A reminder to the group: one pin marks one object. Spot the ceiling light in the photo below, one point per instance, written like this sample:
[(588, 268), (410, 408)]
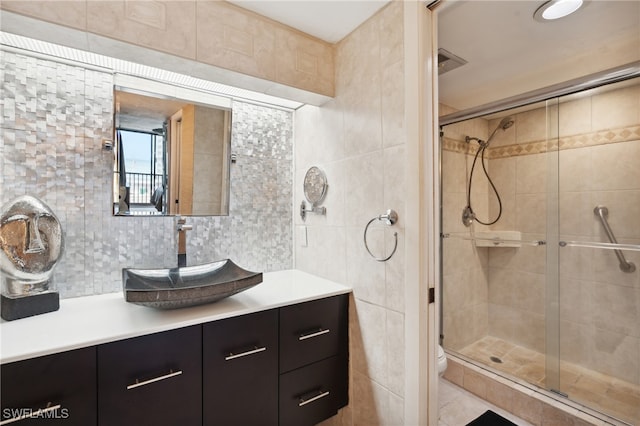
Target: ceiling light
[(556, 9)]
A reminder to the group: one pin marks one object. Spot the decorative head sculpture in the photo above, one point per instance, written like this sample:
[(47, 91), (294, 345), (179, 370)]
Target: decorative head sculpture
[(31, 244)]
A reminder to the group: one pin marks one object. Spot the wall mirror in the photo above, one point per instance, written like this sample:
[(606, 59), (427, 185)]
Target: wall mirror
[(172, 150)]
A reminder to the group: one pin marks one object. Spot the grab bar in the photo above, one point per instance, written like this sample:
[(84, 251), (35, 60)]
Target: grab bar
[(602, 212)]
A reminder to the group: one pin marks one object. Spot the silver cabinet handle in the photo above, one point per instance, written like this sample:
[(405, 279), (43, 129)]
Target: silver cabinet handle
[(28, 414), (316, 397), (314, 334), (137, 384), (255, 350)]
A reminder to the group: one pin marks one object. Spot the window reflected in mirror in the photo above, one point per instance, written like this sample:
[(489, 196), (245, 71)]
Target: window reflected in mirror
[(172, 156)]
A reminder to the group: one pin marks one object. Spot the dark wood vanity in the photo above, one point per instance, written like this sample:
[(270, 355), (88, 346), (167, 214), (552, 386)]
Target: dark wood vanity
[(282, 366)]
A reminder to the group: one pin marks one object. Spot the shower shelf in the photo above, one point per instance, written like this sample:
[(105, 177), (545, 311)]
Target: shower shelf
[(496, 241)]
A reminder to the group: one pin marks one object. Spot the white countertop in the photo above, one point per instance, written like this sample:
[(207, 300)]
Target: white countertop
[(92, 320)]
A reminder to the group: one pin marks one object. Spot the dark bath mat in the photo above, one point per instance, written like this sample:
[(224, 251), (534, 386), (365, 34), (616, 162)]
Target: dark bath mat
[(489, 418)]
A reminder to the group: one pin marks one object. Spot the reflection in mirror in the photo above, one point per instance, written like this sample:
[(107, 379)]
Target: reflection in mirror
[(172, 156)]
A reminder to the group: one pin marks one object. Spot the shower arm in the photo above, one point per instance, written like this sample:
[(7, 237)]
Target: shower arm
[(602, 212)]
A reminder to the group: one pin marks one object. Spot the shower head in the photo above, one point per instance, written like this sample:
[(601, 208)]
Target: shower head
[(504, 124)]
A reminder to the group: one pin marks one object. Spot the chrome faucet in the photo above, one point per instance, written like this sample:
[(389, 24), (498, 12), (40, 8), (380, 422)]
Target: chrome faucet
[(182, 229)]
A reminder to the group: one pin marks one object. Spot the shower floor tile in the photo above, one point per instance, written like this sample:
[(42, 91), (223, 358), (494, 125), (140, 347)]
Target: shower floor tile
[(609, 395)]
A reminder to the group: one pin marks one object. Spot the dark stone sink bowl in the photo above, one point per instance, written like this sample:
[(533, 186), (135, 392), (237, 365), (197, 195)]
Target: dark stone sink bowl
[(186, 286)]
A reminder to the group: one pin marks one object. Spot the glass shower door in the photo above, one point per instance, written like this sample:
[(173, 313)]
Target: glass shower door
[(598, 245)]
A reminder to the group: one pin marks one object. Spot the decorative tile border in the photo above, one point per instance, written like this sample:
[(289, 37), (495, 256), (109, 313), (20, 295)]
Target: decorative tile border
[(604, 137)]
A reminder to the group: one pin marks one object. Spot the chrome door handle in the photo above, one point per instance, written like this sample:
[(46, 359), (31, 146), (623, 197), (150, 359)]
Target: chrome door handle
[(28, 414), (319, 395), (314, 334), (169, 375), (255, 350)]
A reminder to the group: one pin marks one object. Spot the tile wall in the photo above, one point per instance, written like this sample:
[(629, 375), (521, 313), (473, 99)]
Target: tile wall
[(599, 141), (54, 118), (465, 267), (358, 140), (211, 32)]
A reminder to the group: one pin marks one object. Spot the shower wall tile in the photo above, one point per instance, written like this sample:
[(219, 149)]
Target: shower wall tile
[(531, 211), (576, 173), (531, 174), (615, 109), (54, 118), (530, 126), (615, 166), (575, 117), (576, 213)]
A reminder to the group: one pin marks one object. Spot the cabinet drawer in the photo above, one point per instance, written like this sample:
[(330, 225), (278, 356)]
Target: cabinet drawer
[(151, 380), (312, 331), (314, 393), (67, 380), (240, 370)]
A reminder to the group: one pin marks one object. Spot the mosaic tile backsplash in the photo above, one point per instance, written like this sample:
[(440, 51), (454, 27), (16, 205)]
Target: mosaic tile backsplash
[(54, 117)]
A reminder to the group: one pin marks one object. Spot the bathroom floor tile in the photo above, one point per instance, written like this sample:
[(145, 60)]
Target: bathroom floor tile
[(597, 391), (458, 407)]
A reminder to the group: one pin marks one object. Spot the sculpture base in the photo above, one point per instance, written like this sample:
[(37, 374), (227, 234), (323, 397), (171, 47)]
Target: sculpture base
[(27, 306)]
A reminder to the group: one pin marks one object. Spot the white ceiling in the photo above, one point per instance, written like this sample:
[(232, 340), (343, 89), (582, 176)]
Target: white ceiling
[(508, 52), (328, 20)]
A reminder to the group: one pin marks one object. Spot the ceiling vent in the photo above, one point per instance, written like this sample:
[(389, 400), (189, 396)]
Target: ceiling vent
[(447, 61)]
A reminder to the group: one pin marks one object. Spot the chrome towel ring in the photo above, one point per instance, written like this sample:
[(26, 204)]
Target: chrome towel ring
[(389, 218)]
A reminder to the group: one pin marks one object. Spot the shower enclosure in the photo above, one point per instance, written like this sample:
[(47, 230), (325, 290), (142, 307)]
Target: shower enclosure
[(547, 290)]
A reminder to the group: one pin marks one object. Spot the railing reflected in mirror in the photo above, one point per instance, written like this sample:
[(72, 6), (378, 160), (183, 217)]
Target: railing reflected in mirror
[(173, 150)]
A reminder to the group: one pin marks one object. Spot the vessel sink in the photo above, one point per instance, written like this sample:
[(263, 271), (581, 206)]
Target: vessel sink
[(186, 286)]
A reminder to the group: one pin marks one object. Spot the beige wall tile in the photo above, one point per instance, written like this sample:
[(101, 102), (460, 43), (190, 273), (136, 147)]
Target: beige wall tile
[(362, 116), (575, 117), (304, 62), (531, 174), (372, 402), (617, 108), (576, 214), (615, 166), (475, 383), (454, 372), (364, 274), (166, 26), (575, 172), (370, 350), (392, 106), (531, 213), (391, 30), (528, 408), (364, 183), (68, 13), (319, 135), (395, 346), (531, 126), (233, 38)]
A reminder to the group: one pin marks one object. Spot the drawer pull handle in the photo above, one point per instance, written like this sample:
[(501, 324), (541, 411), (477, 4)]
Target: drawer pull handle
[(316, 397), (169, 375), (29, 414), (313, 334), (255, 350)]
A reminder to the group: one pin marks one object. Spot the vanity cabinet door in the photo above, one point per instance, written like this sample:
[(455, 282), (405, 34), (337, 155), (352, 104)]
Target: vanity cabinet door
[(240, 370), (62, 385), (313, 393), (152, 380), (313, 331)]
